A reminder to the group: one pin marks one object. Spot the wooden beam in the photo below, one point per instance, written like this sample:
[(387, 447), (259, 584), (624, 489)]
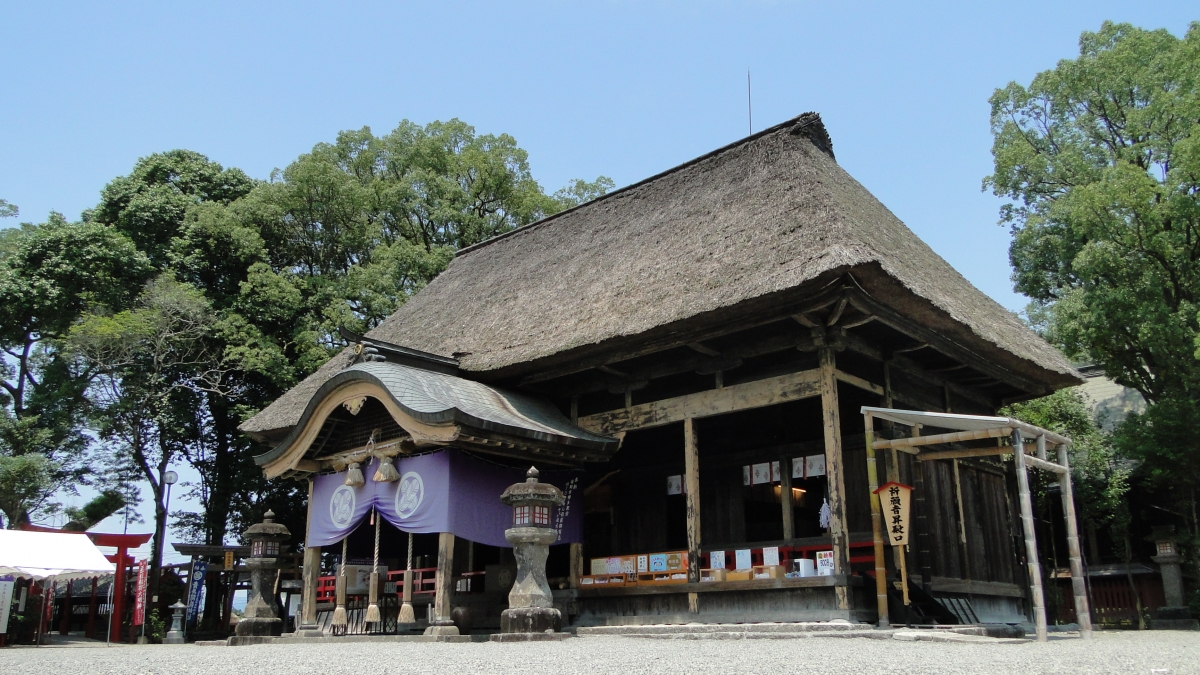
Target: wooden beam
[(1082, 611), (954, 437), (910, 367), (914, 348), (312, 572), (569, 364), (443, 587), (1031, 552), (1044, 465), (804, 320), (856, 381), (966, 452), (691, 476), (745, 396), (881, 599), (946, 345), (837, 312), (703, 348), (785, 497), (834, 476)]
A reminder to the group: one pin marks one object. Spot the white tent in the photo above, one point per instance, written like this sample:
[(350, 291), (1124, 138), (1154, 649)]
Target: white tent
[(54, 556)]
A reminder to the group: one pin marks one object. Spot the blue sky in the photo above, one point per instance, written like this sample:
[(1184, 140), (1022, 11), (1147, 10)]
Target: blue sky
[(623, 89)]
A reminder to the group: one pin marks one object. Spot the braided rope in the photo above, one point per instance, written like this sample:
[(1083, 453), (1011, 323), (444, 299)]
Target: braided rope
[(410, 551), (343, 562), (377, 519)]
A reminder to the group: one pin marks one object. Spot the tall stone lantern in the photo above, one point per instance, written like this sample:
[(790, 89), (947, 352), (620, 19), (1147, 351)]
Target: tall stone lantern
[(1175, 615), (262, 612), (530, 603)]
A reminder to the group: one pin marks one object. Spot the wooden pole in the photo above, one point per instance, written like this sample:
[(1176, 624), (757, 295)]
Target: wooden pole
[(962, 521), (785, 498), (1083, 614), (1031, 554), (904, 580), (881, 600), (835, 481), (691, 479), (64, 621), (576, 564), (312, 573), (443, 588), (91, 622)]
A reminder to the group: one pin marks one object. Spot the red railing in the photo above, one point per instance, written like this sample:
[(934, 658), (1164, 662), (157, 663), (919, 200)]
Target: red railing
[(424, 582)]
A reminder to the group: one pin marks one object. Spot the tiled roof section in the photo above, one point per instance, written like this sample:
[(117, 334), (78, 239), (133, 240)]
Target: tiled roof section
[(439, 398)]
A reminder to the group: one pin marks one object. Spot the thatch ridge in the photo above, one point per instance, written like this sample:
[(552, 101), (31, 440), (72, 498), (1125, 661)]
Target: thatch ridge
[(756, 219)]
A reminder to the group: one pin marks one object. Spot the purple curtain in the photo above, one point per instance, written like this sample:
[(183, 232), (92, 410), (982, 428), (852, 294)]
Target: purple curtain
[(444, 491)]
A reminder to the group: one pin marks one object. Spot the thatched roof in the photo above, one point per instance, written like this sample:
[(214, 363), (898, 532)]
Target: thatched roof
[(766, 215)]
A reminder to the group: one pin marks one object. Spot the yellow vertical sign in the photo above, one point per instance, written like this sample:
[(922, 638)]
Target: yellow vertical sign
[(228, 560), (894, 498)]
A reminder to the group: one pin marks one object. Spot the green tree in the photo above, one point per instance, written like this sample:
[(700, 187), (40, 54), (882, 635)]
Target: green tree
[(152, 362), (1100, 158), (50, 274), (8, 210)]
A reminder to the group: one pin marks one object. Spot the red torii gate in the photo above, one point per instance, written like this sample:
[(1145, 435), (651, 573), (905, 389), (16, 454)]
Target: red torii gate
[(121, 542)]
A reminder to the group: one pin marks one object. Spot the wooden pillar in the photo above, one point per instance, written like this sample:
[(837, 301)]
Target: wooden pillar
[(576, 564), (90, 632), (227, 610), (1083, 614), (691, 482), (835, 481), (881, 599), (443, 588), (922, 521), (64, 621), (312, 579), (117, 618), (965, 556), (785, 498), (1031, 554), (311, 574)]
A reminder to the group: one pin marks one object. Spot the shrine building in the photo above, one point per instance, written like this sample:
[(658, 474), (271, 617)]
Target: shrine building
[(688, 358)]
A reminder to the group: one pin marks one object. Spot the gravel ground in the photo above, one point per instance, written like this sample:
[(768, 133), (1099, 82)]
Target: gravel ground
[(1147, 653)]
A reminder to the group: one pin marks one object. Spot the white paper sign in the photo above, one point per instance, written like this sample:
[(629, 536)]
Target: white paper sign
[(674, 485), (771, 555), (824, 563), (6, 593), (760, 473), (797, 467), (814, 465), (746, 475), (741, 559), (612, 565), (774, 472), (716, 560), (643, 564)]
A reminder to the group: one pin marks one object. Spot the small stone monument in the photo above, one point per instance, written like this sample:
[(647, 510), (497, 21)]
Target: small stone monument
[(262, 611), (531, 613)]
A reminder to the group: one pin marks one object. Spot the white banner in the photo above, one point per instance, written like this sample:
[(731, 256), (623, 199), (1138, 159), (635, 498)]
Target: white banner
[(6, 593)]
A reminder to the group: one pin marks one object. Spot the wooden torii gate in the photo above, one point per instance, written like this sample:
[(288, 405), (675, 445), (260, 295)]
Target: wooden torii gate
[(965, 428)]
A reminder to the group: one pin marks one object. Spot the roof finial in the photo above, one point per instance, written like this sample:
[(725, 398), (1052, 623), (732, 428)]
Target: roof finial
[(531, 476)]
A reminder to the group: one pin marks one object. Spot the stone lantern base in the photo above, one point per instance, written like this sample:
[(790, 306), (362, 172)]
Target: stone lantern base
[(531, 620), (259, 626)]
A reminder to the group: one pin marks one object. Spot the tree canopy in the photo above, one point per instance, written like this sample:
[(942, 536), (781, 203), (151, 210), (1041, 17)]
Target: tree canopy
[(1100, 158)]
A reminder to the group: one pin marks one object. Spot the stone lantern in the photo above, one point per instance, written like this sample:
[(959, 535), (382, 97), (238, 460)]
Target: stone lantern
[(1175, 615), (262, 612), (530, 603)]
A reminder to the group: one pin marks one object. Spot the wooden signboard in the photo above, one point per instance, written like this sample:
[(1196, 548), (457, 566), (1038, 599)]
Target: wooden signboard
[(894, 498)]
